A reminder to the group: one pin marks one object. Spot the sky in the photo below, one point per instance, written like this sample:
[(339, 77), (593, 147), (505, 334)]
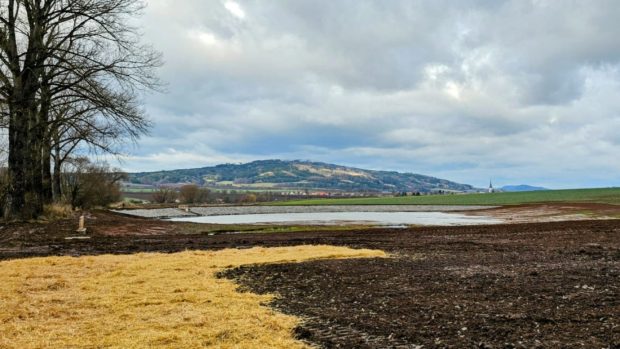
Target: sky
[(471, 90)]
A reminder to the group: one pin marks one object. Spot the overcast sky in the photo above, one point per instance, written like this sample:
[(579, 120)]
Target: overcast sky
[(518, 91)]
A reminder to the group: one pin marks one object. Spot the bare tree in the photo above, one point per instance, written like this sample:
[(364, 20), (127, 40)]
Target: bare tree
[(80, 127), (248, 198), (89, 184), (164, 195), (67, 55), (193, 194)]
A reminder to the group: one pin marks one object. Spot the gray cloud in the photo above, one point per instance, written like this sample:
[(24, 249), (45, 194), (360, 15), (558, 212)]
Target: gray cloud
[(516, 90)]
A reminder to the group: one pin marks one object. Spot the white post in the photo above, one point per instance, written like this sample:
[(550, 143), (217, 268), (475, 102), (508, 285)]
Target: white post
[(81, 227)]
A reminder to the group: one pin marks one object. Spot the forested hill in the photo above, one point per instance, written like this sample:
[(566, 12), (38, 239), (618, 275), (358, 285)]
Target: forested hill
[(275, 174)]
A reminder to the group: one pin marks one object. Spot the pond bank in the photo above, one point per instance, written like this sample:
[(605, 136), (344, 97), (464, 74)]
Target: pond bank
[(248, 210)]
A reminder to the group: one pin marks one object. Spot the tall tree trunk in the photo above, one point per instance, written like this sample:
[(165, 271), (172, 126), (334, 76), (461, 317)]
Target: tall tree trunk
[(56, 179), (43, 133), (24, 200), (18, 181), (48, 194), (36, 167)]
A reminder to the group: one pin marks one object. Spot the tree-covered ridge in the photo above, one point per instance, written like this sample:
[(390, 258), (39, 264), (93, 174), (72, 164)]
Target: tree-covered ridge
[(298, 175)]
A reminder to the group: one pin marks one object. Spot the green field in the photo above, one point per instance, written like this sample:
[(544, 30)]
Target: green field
[(601, 195)]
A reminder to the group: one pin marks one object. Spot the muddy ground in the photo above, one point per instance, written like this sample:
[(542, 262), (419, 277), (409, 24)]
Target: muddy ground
[(548, 285), (551, 285), (551, 212)]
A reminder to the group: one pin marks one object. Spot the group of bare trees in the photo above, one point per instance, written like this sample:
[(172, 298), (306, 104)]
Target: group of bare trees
[(88, 184), (187, 194), (71, 74), (194, 194)]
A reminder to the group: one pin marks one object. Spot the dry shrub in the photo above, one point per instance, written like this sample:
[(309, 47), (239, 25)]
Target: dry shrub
[(87, 184), (248, 199), (193, 194), (164, 195), (57, 211), (146, 300)]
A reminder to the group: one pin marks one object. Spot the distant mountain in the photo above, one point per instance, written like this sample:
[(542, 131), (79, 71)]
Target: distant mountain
[(521, 187), (298, 175)]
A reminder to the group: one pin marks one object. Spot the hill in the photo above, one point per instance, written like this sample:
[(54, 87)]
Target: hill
[(298, 175), (521, 187)]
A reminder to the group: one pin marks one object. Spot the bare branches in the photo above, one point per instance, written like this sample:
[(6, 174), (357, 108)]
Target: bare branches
[(71, 73), (96, 68)]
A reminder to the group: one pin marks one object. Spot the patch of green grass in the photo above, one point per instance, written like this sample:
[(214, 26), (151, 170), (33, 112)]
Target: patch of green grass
[(599, 195)]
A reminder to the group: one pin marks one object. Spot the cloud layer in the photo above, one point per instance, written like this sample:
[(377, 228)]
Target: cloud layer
[(520, 91)]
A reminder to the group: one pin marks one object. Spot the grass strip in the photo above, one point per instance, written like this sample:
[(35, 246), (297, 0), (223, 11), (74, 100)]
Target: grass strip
[(600, 195)]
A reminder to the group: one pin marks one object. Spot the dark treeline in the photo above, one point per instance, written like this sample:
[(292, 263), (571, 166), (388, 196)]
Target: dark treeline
[(194, 194), (71, 73)]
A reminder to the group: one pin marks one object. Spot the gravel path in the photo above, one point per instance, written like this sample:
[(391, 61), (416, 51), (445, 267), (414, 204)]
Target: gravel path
[(157, 213)]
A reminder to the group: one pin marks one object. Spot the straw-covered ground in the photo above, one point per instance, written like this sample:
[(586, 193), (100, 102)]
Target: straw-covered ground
[(146, 300)]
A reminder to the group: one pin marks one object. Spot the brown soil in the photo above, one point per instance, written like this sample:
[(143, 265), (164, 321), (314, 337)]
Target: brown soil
[(505, 286), (551, 212), (552, 285)]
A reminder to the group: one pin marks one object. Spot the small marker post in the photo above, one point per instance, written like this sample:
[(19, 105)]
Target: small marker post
[(82, 227)]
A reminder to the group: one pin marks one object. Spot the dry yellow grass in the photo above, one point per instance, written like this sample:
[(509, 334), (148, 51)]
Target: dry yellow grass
[(57, 211), (146, 300)]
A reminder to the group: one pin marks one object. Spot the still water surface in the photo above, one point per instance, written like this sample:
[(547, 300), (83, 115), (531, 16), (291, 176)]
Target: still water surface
[(334, 218)]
